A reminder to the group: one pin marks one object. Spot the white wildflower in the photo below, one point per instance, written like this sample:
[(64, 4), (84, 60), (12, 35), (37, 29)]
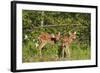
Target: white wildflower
[(26, 37), (33, 40), (36, 44)]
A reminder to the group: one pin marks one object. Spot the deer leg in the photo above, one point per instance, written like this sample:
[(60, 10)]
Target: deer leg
[(63, 52), (67, 51), (40, 48)]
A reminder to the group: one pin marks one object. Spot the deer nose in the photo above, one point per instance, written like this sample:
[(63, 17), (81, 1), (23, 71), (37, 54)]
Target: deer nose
[(74, 37)]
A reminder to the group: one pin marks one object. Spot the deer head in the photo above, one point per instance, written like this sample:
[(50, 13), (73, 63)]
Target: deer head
[(72, 35), (58, 36)]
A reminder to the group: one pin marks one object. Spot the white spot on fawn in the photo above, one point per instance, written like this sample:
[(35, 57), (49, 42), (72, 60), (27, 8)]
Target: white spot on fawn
[(36, 44)]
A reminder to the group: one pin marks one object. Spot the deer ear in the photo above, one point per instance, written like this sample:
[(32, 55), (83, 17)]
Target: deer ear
[(70, 33), (58, 33), (75, 32), (52, 35)]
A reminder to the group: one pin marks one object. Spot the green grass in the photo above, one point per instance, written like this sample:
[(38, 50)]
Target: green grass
[(30, 52), (80, 52)]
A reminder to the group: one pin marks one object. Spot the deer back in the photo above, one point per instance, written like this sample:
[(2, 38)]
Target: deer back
[(44, 37)]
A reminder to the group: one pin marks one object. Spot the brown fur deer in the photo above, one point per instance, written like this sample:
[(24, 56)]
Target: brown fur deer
[(45, 38), (66, 42)]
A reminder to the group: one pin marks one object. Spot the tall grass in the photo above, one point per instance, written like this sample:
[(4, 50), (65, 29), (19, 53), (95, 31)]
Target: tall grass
[(51, 52)]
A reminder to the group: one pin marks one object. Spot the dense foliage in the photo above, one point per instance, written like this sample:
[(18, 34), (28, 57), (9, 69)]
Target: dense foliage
[(35, 22)]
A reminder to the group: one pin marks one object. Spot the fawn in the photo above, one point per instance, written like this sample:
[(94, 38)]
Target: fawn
[(66, 42), (45, 38)]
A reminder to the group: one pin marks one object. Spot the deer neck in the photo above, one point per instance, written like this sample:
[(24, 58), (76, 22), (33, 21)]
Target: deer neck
[(70, 40)]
